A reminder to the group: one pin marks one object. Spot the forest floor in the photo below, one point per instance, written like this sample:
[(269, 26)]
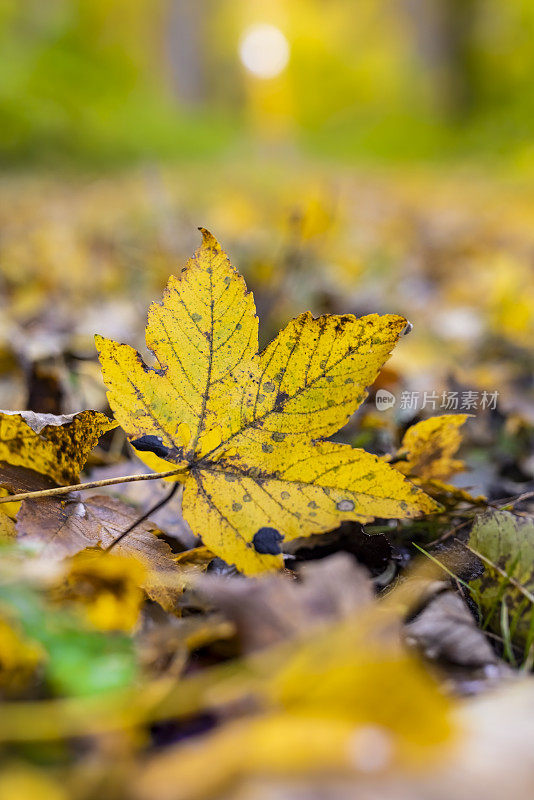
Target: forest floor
[(391, 659)]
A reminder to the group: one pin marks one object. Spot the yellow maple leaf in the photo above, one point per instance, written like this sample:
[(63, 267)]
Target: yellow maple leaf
[(56, 446), (429, 446), (246, 428)]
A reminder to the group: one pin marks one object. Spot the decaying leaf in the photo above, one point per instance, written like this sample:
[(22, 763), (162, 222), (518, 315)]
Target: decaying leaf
[(7, 525), (270, 609), (63, 527), (429, 446), (145, 495), (59, 527), (505, 592), (446, 631), (55, 446), (245, 427)]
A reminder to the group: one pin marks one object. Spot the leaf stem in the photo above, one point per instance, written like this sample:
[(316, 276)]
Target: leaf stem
[(78, 487)]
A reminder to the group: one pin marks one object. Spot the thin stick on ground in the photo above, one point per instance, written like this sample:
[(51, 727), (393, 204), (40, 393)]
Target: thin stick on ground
[(78, 487), (137, 522)]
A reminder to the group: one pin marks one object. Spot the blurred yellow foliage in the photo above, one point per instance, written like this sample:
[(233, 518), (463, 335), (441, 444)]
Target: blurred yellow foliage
[(24, 782), (106, 587), (19, 658), (429, 446)]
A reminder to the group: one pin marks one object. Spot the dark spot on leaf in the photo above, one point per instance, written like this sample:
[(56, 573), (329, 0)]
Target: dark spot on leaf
[(312, 504), (196, 317), (278, 436), (267, 448), (281, 397), (349, 380), (230, 478), (268, 387), (247, 498), (236, 506), (152, 444), (285, 495), (267, 541), (261, 398)]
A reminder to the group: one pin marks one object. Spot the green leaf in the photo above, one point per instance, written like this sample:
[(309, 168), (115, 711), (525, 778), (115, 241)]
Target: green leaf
[(505, 592), (80, 660)]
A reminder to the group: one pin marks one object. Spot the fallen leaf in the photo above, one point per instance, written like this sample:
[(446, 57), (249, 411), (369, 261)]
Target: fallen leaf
[(60, 527), (359, 712), (246, 428), (165, 648), (55, 446), (446, 631), (428, 448), (144, 495), (272, 608), (491, 759), (7, 526)]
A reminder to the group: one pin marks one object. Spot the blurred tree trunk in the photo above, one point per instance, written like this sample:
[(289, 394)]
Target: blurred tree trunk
[(444, 34), (185, 49)]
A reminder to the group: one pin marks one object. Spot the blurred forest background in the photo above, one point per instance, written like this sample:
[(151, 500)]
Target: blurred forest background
[(105, 81), (352, 156)]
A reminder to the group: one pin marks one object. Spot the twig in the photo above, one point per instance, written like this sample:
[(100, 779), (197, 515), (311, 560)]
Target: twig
[(449, 533), (59, 490), (145, 516)]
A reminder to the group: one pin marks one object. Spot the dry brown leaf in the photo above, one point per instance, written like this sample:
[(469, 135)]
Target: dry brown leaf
[(446, 631), (276, 607), (60, 527)]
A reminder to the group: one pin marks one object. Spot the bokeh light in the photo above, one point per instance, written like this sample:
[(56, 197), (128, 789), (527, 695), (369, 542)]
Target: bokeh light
[(264, 50)]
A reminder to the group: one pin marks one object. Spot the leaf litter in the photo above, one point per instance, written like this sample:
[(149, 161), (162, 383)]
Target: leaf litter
[(343, 660)]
